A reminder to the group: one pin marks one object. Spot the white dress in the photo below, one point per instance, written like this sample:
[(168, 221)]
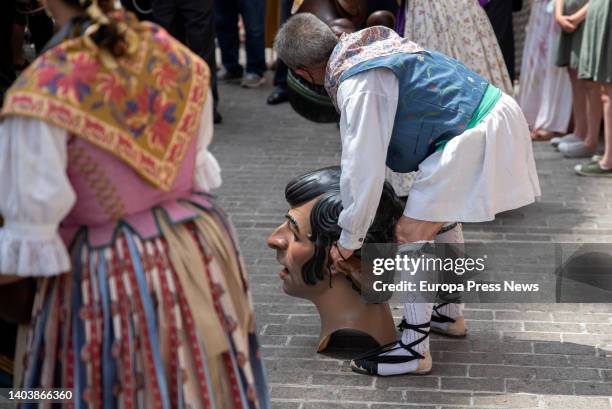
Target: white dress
[(37, 194), (545, 93)]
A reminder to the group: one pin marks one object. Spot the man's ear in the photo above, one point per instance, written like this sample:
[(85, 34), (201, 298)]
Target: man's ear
[(302, 72)]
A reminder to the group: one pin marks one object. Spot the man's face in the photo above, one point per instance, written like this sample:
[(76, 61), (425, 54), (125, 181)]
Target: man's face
[(293, 249)]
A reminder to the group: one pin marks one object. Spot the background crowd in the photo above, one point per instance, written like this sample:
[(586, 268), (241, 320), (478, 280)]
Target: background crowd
[(562, 81)]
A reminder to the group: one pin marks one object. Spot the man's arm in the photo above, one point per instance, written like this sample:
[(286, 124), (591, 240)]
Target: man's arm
[(368, 103)]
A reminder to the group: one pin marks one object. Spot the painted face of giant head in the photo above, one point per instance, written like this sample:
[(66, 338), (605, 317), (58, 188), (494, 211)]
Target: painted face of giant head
[(294, 248), (303, 241)]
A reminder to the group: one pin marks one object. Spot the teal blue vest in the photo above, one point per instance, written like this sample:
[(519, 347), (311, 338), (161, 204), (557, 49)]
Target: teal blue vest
[(437, 98)]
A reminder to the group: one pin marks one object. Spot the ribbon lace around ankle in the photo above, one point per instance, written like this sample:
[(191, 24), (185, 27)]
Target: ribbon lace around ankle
[(438, 316), (376, 355)]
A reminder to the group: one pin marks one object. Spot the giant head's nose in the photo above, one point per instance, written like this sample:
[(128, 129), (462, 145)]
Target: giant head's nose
[(278, 239)]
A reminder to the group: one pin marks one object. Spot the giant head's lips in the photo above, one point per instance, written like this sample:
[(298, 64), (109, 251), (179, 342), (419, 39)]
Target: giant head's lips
[(310, 101), (284, 272)]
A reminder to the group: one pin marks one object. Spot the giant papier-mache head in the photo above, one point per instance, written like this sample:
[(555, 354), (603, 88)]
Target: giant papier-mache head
[(324, 184)]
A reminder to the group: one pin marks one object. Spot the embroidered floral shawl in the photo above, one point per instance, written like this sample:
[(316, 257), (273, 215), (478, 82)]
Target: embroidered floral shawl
[(144, 111), (363, 45)]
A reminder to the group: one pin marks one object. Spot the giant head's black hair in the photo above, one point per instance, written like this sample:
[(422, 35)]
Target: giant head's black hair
[(325, 184)]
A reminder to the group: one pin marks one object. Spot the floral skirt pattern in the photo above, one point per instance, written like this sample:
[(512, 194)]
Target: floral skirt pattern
[(459, 29), (159, 323)]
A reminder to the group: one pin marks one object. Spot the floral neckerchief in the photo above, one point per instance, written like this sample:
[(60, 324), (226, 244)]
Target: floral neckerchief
[(144, 108), (363, 45)]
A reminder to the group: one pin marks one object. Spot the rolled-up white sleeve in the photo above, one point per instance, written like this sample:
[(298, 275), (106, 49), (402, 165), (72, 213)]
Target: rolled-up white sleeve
[(35, 195), (368, 103), (207, 175)]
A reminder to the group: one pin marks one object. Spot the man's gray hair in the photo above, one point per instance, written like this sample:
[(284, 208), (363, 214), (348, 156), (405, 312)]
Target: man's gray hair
[(304, 41)]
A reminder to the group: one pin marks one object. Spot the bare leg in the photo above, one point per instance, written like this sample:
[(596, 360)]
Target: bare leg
[(579, 105), (606, 97), (594, 112)]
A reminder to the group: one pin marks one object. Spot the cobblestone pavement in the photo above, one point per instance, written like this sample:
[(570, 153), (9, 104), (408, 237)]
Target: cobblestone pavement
[(516, 356)]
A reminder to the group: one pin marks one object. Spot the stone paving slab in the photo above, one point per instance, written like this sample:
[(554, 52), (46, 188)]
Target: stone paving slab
[(544, 356)]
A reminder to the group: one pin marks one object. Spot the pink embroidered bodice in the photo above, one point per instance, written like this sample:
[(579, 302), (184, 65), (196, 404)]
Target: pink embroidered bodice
[(109, 191)]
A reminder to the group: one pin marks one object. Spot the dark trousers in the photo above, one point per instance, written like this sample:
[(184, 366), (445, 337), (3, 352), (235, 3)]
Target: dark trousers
[(191, 22), (280, 76), (500, 15), (7, 71), (41, 29), (253, 14), (138, 7)]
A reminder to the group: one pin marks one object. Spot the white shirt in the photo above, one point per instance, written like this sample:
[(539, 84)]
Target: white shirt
[(367, 102), (36, 193)]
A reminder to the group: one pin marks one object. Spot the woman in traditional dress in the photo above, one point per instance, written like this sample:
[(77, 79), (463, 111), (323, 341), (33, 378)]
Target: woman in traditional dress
[(595, 66), (461, 30), (143, 301), (545, 94)]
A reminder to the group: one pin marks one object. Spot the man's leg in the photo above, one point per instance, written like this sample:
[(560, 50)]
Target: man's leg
[(226, 25), (447, 317), (412, 233), (164, 14), (254, 17), (411, 353), (200, 34), (281, 93)]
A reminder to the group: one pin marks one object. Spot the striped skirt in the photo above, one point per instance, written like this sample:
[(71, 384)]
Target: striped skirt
[(159, 323)]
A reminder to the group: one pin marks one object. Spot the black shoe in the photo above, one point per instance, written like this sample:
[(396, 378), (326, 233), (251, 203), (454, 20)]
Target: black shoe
[(368, 363), (278, 96), (217, 118)]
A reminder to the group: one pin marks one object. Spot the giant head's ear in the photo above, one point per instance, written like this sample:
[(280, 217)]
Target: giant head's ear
[(352, 269)]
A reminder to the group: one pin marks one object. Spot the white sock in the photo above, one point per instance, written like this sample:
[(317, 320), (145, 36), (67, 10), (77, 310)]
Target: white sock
[(453, 236), (415, 314), (450, 310)]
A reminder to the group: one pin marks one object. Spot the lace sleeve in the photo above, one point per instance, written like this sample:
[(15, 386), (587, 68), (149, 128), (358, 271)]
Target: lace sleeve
[(36, 196)]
